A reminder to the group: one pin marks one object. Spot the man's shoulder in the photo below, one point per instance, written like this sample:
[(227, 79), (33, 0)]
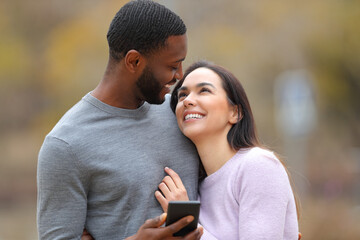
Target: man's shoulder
[(71, 122)]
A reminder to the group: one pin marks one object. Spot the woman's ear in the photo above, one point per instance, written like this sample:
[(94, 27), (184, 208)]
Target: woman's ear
[(235, 114), (133, 61)]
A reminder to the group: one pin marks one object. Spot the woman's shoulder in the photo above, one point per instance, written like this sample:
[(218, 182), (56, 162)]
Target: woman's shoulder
[(260, 160), (260, 167), (257, 154)]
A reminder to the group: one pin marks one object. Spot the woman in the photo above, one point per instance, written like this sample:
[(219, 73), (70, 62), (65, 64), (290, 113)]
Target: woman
[(246, 193)]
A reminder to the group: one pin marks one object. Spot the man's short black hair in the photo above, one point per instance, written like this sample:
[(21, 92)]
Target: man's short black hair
[(142, 25)]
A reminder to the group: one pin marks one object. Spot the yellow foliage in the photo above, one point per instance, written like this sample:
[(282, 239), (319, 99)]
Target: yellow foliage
[(15, 60), (77, 51)]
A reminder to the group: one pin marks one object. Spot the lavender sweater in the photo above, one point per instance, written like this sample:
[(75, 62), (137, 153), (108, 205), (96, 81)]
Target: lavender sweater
[(248, 198)]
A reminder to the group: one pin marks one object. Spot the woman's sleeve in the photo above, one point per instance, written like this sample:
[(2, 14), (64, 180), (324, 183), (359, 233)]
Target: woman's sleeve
[(263, 190)]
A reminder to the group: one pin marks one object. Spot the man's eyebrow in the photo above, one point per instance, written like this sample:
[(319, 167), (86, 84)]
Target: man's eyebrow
[(180, 60), (184, 88)]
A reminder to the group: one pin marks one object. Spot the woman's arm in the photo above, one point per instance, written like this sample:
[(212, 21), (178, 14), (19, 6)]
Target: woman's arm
[(265, 198)]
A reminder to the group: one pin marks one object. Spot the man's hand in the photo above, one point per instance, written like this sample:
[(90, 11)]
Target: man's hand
[(172, 189), (86, 236), (151, 229)]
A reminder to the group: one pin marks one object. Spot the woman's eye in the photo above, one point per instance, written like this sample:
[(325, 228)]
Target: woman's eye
[(181, 95), (205, 90)]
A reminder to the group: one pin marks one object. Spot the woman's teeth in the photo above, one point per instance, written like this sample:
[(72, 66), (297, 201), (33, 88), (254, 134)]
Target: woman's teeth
[(193, 116)]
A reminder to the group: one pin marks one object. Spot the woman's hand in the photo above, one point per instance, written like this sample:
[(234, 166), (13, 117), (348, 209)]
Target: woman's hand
[(172, 189), (152, 230)]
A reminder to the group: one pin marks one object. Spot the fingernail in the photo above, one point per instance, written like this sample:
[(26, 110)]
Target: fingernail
[(162, 216), (166, 168), (190, 219)]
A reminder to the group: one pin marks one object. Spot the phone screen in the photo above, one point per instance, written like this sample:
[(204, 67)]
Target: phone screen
[(180, 209)]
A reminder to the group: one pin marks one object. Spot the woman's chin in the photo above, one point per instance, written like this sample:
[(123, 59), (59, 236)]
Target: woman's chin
[(192, 135)]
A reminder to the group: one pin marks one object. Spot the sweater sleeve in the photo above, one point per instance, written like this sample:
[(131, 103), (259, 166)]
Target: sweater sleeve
[(62, 203), (263, 193)]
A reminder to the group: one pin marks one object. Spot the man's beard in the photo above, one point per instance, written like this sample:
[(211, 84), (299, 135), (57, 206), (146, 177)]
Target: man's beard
[(150, 87)]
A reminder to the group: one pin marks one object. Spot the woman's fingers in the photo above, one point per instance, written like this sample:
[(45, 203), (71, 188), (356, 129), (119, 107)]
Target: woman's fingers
[(162, 200), (170, 183), (165, 189), (175, 177), (170, 190)]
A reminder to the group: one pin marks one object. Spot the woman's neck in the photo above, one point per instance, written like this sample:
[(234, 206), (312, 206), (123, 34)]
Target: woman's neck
[(214, 152)]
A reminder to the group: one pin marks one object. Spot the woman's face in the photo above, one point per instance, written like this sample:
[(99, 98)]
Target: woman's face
[(203, 108)]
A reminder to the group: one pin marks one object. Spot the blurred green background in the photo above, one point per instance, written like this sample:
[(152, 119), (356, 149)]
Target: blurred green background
[(299, 62)]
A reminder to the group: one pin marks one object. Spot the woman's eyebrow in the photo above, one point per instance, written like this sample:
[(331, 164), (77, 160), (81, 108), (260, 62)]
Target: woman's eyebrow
[(184, 88), (205, 84)]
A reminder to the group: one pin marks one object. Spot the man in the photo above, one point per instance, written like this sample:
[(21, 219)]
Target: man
[(101, 164)]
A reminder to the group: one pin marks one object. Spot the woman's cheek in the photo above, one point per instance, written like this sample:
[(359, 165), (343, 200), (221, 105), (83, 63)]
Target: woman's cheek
[(178, 114)]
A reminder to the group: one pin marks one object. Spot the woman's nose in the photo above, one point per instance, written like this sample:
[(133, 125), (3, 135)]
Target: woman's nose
[(188, 102)]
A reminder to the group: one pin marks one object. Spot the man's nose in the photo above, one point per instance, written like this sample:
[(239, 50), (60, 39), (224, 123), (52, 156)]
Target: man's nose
[(179, 73)]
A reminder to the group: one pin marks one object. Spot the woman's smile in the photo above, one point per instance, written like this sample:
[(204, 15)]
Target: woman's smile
[(191, 115), (203, 100)]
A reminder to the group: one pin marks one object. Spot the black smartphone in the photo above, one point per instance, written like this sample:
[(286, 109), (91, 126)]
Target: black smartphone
[(180, 209)]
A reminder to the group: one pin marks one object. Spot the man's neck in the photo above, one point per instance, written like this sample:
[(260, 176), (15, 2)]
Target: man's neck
[(117, 89), (115, 97)]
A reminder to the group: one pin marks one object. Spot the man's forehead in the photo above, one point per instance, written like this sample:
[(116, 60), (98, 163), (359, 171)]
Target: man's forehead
[(175, 47)]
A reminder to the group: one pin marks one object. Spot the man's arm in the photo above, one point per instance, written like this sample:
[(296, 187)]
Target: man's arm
[(151, 229), (61, 206)]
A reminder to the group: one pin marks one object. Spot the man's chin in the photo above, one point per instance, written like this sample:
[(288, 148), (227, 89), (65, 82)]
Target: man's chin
[(159, 100)]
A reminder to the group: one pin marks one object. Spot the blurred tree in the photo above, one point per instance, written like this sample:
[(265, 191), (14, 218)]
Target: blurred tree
[(15, 57), (74, 58), (333, 50)]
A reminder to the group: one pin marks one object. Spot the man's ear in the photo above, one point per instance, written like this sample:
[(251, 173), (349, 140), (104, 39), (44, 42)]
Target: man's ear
[(133, 61), (235, 114)]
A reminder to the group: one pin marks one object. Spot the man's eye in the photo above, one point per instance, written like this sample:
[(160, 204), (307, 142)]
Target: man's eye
[(174, 68)]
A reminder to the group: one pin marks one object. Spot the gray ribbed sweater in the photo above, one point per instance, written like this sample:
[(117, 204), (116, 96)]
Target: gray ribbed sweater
[(100, 166)]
